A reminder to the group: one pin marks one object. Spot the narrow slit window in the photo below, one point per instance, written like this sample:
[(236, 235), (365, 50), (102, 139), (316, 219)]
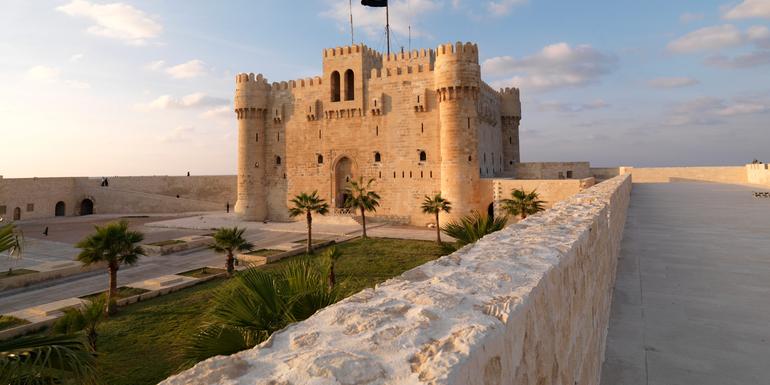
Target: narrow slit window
[(423, 156)]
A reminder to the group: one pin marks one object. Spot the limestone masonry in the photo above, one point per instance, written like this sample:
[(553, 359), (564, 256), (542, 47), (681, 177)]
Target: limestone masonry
[(418, 122), (529, 304)]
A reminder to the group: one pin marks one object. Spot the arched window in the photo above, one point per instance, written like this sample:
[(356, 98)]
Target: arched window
[(423, 156), (349, 85), (320, 159), (277, 159), (377, 157), (335, 84), (470, 158)]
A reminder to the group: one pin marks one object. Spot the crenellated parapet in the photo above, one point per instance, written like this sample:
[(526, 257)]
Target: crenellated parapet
[(457, 72), (252, 94), (510, 102)]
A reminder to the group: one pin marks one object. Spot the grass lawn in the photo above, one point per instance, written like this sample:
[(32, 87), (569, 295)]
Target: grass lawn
[(123, 292), (16, 273), (265, 252), (7, 322), (143, 343), (203, 272)]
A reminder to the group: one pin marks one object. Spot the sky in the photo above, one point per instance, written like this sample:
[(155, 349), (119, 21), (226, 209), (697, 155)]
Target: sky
[(145, 87)]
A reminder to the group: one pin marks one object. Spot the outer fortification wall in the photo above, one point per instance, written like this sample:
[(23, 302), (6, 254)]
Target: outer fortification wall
[(758, 174), (552, 191), (552, 170), (526, 305), (736, 175)]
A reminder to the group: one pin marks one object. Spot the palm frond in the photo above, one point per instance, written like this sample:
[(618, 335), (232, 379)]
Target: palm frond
[(47, 360), (473, 227)]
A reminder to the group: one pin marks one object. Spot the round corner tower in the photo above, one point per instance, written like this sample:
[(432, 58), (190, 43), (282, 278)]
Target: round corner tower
[(251, 99), (457, 79)]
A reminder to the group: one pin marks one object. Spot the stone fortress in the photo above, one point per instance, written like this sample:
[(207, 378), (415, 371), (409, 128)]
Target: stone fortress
[(418, 123)]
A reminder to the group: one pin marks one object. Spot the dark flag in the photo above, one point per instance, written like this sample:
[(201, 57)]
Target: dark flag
[(375, 3)]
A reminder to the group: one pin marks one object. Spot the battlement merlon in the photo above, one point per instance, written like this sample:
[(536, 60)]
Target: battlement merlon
[(510, 102), (251, 92)]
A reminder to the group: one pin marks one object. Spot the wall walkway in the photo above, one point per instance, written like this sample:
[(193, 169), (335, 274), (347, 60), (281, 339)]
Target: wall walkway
[(526, 305)]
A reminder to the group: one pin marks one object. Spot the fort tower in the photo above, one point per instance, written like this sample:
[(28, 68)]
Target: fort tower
[(251, 101)]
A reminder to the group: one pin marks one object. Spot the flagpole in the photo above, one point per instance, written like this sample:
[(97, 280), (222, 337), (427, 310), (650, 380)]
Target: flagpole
[(387, 26), (350, 8)]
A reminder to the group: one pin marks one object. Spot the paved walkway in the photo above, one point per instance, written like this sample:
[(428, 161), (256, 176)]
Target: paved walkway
[(692, 298)]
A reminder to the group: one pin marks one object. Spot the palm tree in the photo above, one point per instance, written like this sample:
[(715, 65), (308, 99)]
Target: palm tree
[(308, 204), (436, 205), (229, 240), (473, 227), (86, 318), (256, 304), (523, 203), (359, 195), (44, 360), (115, 245), (10, 240)]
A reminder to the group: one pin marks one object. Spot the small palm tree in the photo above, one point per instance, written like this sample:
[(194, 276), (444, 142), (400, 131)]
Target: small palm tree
[(86, 318), (523, 203), (228, 241), (360, 196), (330, 258), (42, 359), (11, 241), (307, 204), (256, 304), (115, 245), (436, 205), (473, 227)]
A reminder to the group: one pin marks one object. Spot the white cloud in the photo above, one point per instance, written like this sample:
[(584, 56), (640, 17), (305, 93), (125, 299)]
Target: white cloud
[(688, 17), (224, 111), (43, 73), (751, 59), (155, 66), (749, 9), (572, 107), (194, 100), (76, 57), (708, 38), (188, 70), (372, 20), (179, 134), (709, 110), (115, 20), (555, 66), (672, 82), (52, 75), (503, 7)]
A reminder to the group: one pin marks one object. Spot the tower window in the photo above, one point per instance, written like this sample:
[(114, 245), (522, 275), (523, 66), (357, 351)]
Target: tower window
[(422, 126), (470, 158), (469, 122), (277, 159), (380, 174), (377, 157), (335, 84), (569, 174), (510, 140), (319, 134), (256, 136), (320, 159), (377, 130), (277, 136), (423, 156), (349, 85)]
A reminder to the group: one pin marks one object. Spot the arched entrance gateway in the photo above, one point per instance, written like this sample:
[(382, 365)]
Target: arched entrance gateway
[(86, 207), (344, 171), (60, 209)]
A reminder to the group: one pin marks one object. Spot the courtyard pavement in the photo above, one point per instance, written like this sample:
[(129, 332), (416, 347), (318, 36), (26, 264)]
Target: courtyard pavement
[(66, 231), (692, 298)]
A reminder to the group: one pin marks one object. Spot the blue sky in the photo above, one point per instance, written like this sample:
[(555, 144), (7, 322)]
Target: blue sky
[(145, 87)]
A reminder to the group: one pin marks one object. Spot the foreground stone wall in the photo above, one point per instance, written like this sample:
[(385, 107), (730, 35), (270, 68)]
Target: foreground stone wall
[(758, 174), (526, 305)]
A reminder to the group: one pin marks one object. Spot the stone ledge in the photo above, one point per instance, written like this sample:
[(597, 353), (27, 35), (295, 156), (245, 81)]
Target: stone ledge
[(528, 304)]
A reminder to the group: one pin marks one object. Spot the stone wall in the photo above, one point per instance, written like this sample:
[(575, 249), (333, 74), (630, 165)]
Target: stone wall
[(604, 173), (141, 194), (735, 175), (552, 170), (758, 174), (526, 305)]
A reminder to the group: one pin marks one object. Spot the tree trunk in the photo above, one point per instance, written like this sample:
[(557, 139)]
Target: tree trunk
[(309, 247), (332, 277), (438, 230), (363, 221), (113, 290), (91, 336), (230, 263)]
